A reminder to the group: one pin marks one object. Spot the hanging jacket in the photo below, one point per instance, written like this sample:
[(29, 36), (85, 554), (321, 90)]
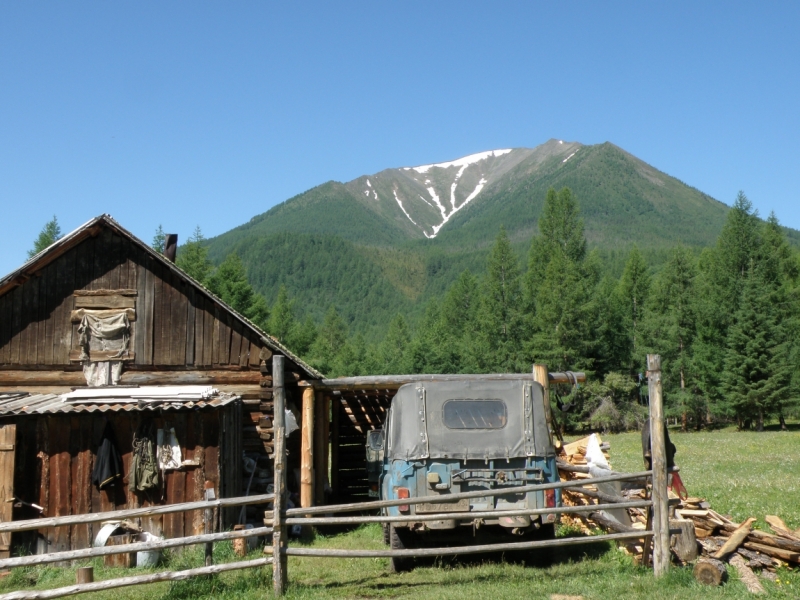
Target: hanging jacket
[(144, 469), (108, 464)]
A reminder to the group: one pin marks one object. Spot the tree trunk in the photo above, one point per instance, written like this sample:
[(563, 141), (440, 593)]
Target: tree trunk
[(782, 421), (760, 419)]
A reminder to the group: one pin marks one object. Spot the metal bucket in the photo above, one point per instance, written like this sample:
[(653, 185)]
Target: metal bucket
[(148, 558)]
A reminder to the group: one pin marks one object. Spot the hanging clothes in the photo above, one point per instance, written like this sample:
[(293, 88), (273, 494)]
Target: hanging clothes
[(144, 470), (108, 464)]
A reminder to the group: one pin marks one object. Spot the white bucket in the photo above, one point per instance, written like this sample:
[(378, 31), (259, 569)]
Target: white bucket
[(148, 558)]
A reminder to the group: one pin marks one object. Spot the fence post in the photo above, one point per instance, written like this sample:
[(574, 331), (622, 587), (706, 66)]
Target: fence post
[(661, 552), (542, 376), (278, 516), (209, 521)]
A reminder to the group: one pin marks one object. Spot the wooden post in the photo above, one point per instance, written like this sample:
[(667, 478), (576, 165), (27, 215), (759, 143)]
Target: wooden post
[(84, 575), (279, 472), (209, 522), (307, 450), (661, 553), (320, 467), (336, 407), (326, 446), (541, 376)]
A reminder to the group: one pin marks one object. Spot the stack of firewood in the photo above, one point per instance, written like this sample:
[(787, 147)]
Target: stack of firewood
[(713, 538)]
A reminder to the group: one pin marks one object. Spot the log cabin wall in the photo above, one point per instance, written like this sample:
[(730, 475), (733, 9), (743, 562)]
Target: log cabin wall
[(175, 326), (56, 453)]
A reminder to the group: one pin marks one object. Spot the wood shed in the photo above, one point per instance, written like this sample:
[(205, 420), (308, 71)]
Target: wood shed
[(101, 308)]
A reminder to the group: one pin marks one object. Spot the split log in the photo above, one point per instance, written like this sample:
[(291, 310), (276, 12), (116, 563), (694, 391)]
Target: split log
[(755, 559), (774, 552), (683, 544), (710, 571), (747, 576), (736, 539), (780, 528)]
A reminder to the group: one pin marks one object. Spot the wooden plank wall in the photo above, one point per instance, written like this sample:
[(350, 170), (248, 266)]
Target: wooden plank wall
[(60, 450), (175, 324), (358, 414)]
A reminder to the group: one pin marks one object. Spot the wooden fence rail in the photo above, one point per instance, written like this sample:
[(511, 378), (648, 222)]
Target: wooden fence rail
[(109, 584), (30, 524), (41, 559)]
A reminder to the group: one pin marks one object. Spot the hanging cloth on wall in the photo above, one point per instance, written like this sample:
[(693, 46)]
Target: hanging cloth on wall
[(112, 331), (108, 464), (144, 471), (169, 450)]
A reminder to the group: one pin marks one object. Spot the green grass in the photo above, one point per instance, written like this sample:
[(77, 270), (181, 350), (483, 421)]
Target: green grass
[(742, 474)]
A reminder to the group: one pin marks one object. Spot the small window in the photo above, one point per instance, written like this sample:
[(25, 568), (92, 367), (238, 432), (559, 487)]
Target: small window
[(474, 414)]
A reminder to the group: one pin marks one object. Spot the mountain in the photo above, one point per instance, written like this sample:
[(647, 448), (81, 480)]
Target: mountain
[(384, 243)]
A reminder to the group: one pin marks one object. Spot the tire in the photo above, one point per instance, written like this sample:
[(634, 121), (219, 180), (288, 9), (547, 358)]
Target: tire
[(400, 538), (547, 532), (385, 527)]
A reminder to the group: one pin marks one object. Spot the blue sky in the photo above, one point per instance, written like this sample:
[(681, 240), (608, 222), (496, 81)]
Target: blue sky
[(198, 113)]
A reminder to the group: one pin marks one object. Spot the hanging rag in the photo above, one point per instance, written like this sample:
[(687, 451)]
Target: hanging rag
[(108, 464), (169, 450), (144, 470), (104, 328)]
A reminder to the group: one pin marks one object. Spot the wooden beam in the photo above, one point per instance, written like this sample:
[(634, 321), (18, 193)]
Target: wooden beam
[(61, 378), (307, 450), (76, 316), (110, 301), (123, 292), (279, 472), (392, 382)]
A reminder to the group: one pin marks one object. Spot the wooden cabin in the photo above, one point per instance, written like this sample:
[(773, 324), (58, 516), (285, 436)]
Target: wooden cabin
[(101, 308)]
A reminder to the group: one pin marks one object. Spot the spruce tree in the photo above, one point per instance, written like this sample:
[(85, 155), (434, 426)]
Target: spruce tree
[(633, 290), (159, 241), (193, 257), (669, 329), (229, 282), (500, 310), (756, 376), (282, 320), (559, 289), (331, 337), (50, 233), (393, 356)]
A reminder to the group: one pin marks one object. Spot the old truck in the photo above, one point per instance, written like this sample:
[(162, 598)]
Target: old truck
[(445, 437)]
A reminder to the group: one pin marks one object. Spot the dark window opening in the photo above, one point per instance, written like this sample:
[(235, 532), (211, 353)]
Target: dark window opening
[(474, 414)]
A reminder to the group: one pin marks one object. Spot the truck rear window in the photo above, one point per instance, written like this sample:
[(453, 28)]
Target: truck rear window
[(474, 414)]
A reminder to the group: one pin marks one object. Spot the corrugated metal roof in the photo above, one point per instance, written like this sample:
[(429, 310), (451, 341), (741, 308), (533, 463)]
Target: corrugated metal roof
[(22, 403)]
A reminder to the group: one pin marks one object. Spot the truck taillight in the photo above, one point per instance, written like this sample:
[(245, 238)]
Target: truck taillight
[(550, 498), (403, 493)]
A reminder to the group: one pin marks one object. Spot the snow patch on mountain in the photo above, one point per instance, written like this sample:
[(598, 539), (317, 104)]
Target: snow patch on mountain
[(400, 204), (570, 156), (461, 162), (435, 198), (368, 183)]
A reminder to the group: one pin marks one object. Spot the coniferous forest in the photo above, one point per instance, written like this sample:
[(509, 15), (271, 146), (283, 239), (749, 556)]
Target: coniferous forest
[(724, 319)]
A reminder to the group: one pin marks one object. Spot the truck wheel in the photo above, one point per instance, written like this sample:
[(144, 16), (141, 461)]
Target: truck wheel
[(547, 531), (385, 527), (400, 539)]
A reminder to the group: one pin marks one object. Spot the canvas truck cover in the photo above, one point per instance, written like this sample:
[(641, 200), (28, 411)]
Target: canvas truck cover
[(468, 420)]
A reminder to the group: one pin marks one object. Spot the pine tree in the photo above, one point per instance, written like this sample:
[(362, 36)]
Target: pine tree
[(500, 312), (50, 233), (193, 257), (159, 240)]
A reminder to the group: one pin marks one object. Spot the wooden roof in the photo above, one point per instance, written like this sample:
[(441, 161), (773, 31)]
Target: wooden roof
[(92, 228)]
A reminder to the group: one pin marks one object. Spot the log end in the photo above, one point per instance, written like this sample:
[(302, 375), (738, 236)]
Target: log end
[(710, 571)]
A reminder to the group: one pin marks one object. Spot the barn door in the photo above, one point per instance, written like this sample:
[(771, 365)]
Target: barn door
[(8, 440)]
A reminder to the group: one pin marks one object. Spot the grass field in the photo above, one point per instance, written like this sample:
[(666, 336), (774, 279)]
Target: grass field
[(742, 474)]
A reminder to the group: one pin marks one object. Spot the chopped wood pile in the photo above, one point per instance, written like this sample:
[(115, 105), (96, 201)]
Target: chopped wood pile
[(707, 537)]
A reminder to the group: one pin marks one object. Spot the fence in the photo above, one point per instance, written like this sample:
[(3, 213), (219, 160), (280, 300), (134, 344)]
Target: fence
[(309, 516), (208, 539), (659, 532)]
